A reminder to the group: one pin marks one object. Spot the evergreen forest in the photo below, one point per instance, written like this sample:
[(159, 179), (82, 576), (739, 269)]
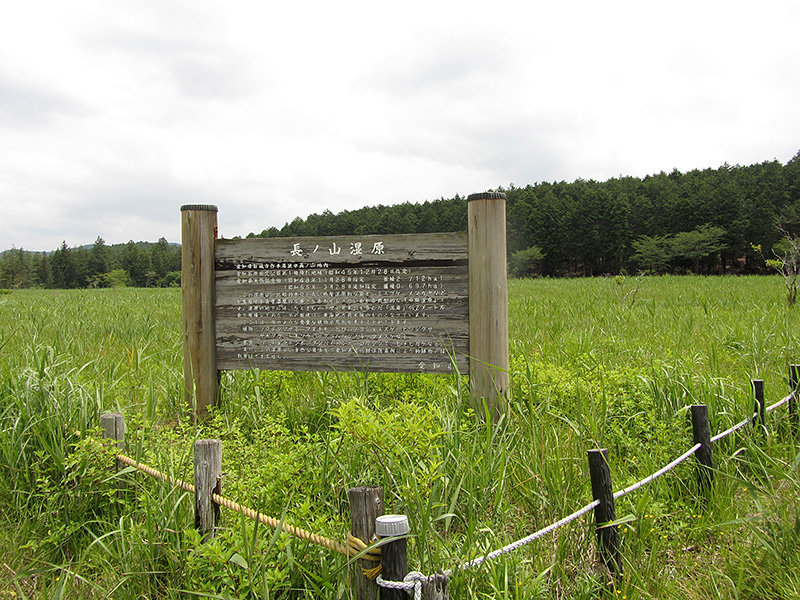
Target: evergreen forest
[(711, 221)]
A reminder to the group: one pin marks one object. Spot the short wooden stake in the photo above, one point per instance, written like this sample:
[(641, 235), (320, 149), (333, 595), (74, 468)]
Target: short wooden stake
[(207, 481), (794, 384), (760, 410), (436, 588), (366, 505), (113, 425), (605, 512), (394, 555), (701, 431)]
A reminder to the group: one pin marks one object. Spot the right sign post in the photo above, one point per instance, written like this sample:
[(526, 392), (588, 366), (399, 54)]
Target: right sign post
[(488, 302)]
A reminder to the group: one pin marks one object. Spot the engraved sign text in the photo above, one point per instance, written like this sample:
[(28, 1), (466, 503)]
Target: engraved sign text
[(394, 303)]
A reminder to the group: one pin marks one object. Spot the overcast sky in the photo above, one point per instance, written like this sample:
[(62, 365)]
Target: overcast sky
[(113, 114)]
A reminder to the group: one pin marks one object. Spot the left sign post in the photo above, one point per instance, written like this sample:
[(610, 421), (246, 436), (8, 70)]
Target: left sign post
[(198, 235)]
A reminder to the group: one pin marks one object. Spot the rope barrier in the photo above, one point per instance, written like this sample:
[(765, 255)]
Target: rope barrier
[(781, 402), (527, 540), (188, 487), (353, 547), (414, 580), (741, 424), (411, 582), (658, 473), (727, 432), (276, 524)]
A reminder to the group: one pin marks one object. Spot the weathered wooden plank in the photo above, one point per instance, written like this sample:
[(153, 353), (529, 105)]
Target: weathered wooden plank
[(396, 303)]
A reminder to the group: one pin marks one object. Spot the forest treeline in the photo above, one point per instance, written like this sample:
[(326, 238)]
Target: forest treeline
[(724, 220), (139, 264)]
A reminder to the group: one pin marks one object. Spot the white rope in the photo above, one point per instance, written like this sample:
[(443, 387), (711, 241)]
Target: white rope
[(727, 432), (414, 580), (658, 473), (781, 402), (526, 540), (741, 424)]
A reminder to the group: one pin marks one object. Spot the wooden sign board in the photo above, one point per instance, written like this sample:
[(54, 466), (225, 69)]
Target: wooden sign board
[(391, 303)]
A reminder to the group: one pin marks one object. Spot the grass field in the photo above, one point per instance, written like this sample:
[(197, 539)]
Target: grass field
[(610, 363)]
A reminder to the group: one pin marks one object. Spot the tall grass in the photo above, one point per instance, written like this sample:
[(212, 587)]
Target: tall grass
[(589, 369)]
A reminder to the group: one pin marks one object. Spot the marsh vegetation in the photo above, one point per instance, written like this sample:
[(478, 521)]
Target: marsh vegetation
[(594, 364)]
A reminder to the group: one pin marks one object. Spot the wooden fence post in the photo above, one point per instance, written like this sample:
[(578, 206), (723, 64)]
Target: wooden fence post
[(701, 432), (760, 410), (394, 555), (488, 302), (605, 512), (207, 481), (198, 232), (794, 384), (366, 505)]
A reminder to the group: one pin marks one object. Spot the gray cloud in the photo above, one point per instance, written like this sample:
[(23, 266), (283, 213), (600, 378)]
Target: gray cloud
[(26, 105), (199, 71), (451, 63)]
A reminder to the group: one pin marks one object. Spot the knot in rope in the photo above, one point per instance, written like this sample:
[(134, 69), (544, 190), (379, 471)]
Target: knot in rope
[(416, 579), (412, 581)]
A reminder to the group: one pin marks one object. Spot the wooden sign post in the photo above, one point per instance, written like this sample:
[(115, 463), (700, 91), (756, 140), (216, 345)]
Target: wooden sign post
[(488, 302), (411, 303), (198, 234)]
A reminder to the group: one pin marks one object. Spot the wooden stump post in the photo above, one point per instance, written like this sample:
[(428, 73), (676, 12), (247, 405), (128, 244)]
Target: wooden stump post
[(394, 555), (436, 588), (701, 432), (488, 302), (207, 481), (199, 230), (366, 505), (605, 512), (760, 410)]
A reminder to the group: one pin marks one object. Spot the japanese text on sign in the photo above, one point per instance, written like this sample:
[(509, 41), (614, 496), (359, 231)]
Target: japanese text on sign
[(301, 307)]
